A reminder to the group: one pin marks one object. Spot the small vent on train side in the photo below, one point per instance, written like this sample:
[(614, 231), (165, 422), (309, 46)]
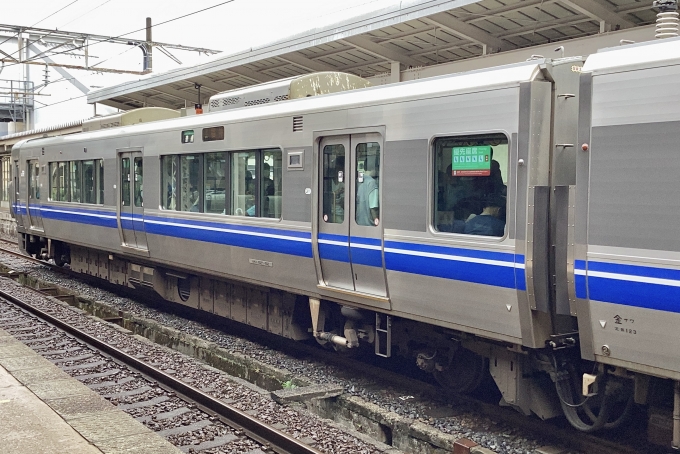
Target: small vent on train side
[(280, 98), (256, 102), (215, 103), (297, 124), (230, 101), (183, 288)]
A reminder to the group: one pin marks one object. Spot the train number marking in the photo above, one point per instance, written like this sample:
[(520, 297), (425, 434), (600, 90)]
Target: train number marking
[(621, 323), (260, 262)]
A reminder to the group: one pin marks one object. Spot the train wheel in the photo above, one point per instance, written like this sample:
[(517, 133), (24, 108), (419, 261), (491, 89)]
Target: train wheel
[(465, 372)]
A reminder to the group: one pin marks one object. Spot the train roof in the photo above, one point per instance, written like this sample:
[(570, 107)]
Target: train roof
[(650, 53), (479, 80)]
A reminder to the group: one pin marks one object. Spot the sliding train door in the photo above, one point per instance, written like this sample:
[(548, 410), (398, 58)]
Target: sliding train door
[(16, 196), (33, 205), (131, 201), (350, 234)]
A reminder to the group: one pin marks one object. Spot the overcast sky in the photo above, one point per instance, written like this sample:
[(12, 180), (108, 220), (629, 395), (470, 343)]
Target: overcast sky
[(230, 27)]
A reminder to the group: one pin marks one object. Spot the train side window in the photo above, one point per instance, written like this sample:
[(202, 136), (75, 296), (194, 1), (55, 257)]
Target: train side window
[(62, 175), (75, 168), (470, 184), (270, 183), (244, 183), (190, 182), (215, 182), (88, 190), (54, 181), (169, 166)]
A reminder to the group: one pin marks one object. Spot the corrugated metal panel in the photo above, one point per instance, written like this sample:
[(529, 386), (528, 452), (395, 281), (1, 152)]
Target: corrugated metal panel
[(419, 33)]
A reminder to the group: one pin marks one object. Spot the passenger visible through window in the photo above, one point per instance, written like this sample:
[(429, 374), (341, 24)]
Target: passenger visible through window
[(89, 189), (34, 180), (368, 184), (215, 182), (77, 181), (470, 184), (270, 183), (242, 183), (334, 184), (190, 187), (139, 182), (125, 182), (169, 182)]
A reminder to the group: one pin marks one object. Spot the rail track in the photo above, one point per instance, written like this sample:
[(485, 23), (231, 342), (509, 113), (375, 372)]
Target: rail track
[(93, 362), (578, 442)]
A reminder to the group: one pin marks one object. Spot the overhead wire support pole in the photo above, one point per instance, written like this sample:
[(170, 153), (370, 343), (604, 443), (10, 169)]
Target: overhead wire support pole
[(148, 55)]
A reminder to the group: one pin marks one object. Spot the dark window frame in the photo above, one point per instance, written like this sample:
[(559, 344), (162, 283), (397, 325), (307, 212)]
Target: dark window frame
[(228, 167), (494, 139)]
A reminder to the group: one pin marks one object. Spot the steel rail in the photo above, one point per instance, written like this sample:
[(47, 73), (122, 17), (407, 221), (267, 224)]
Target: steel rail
[(268, 436)]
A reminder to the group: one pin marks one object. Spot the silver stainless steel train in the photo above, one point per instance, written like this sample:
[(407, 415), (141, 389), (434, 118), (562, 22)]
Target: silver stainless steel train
[(522, 219)]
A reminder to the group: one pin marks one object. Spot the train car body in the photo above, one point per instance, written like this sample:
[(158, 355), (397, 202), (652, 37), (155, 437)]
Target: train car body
[(511, 219), (627, 258)]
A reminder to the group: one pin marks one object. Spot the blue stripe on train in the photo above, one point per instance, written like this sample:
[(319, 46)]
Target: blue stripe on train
[(634, 270), (638, 294), (338, 251), (363, 251), (91, 217), (366, 251), (621, 289), (473, 267), (277, 241), (461, 264)]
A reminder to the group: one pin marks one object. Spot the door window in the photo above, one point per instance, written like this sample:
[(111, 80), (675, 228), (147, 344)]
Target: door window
[(367, 184), (125, 182), (34, 173), (139, 174), (270, 184), (334, 184)]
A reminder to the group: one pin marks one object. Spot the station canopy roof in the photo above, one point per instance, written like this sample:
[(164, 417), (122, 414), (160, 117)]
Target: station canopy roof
[(414, 34)]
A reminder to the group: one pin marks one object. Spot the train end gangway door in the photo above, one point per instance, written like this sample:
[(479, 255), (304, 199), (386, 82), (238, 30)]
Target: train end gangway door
[(131, 201), (350, 243)]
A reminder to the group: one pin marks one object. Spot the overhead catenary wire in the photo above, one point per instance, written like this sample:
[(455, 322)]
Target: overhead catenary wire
[(44, 18), (86, 13), (56, 30), (126, 34)]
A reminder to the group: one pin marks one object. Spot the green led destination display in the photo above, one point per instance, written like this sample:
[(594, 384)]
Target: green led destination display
[(471, 161)]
